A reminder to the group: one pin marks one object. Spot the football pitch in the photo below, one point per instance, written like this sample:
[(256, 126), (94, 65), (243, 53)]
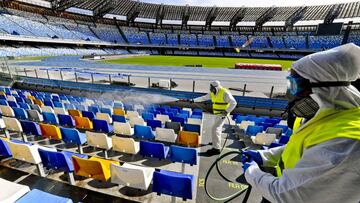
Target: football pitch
[(208, 62)]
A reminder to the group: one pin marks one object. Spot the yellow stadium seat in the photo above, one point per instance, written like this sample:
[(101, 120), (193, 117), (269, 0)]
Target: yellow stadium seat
[(31, 97), (83, 123), (188, 138), (50, 131), (118, 111), (2, 93), (73, 113), (95, 168), (38, 102)]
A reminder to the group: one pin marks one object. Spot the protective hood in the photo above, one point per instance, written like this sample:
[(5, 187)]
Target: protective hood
[(338, 64), (216, 84)]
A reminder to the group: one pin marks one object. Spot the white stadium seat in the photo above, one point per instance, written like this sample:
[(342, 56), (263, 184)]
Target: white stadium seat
[(123, 128), (10, 191), (263, 138), (7, 111), (136, 121), (125, 144), (61, 111), (132, 114), (104, 116), (162, 118), (166, 134)]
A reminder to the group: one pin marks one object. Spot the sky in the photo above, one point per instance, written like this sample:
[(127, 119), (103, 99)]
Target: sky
[(248, 3)]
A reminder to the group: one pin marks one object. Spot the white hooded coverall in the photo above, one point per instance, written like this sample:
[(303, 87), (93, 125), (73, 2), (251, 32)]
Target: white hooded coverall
[(330, 171), (219, 120)]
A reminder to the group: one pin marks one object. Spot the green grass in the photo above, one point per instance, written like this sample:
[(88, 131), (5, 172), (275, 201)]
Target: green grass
[(208, 62), (32, 58)]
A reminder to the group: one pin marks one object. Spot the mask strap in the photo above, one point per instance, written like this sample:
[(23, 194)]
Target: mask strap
[(330, 84)]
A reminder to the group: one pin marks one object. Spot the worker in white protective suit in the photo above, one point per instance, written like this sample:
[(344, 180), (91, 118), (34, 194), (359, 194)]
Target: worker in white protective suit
[(321, 161), (223, 103)]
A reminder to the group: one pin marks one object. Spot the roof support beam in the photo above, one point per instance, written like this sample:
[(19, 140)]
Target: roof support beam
[(185, 16), (211, 16), (134, 12), (104, 7), (265, 17), (160, 14), (62, 5), (295, 17), (333, 13), (239, 15)]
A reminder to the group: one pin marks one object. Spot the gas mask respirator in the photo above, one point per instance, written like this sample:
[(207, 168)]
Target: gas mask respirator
[(306, 107), (212, 89)]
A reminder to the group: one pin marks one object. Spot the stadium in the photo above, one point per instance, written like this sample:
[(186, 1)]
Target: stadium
[(99, 99)]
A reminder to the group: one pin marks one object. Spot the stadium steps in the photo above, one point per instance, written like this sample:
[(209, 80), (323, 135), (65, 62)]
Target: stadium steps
[(121, 32)]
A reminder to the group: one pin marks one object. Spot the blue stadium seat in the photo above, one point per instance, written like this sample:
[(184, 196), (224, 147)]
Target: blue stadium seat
[(106, 110), (273, 121), (50, 118), (173, 184), (71, 135), (24, 105), (3, 102), (4, 149), (179, 119), (283, 127), (154, 124), (170, 114), (93, 109), (30, 128), (153, 149), (192, 128), (36, 195), (284, 139), (183, 115), (58, 104), (48, 103), (174, 111), (183, 155), (252, 130), (88, 114), (66, 120), (147, 116), (119, 118), (69, 106), (118, 105), (185, 112), (102, 126), (13, 104), (20, 113), (19, 99), (265, 125), (240, 118), (143, 132)]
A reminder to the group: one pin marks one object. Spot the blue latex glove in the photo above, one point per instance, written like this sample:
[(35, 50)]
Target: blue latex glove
[(251, 155), (248, 164)]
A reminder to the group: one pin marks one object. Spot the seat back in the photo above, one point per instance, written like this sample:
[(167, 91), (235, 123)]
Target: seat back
[(20, 113), (72, 135), (125, 145), (62, 111), (93, 109), (30, 128), (83, 123), (122, 128), (50, 118), (176, 126), (52, 159), (24, 105), (118, 118), (147, 116), (107, 111), (101, 126), (58, 105), (174, 184), (119, 111), (2, 124), (195, 121), (264, 138), (252, 130), (132, 114), (88, 114), (136, 121), (162, 118), (50, 131), (4, 148), (66, 120), (25, 152), (183, 155), (284, 139), (13, 104), (74, 112), (104, 116), (35, 115), (7, 111), (181, 120), (132, 176), (283, 127), (154, 124), (94, 167), (99, 140), (143, 132), (153, 149), (276, 131), (166, 135), (47, 109), (12, 124), (188, 138), (192, 128), (3, 102)]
